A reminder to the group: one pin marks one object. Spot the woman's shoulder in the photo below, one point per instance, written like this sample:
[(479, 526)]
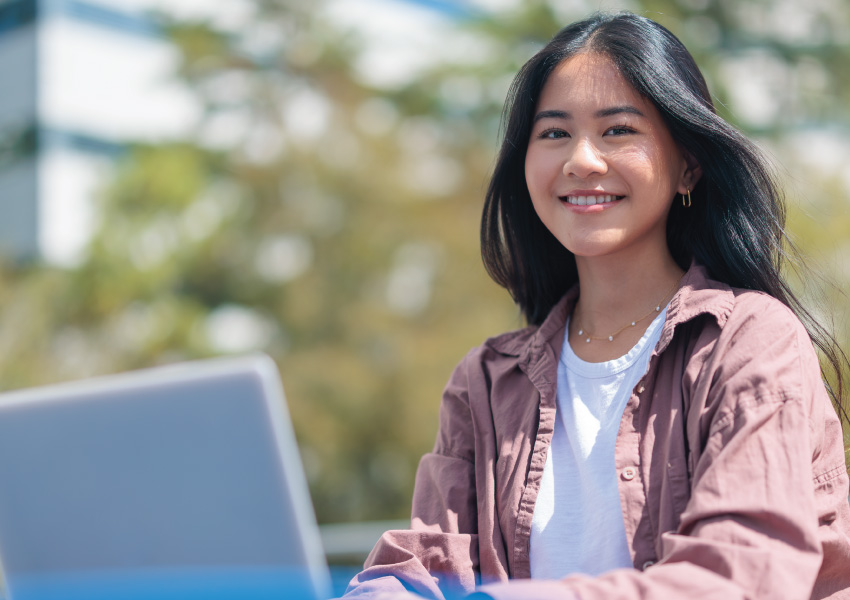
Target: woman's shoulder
[(498, 352), (517, 343), (754, 343), (763, 351), (757, 328), (510, 343), (754, 310), (511, 352), (737, 310)]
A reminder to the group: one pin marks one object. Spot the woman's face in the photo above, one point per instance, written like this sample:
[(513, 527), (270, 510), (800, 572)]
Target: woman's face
[(602, 168)]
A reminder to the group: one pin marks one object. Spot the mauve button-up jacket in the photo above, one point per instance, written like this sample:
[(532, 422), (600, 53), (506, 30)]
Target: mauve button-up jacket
[(729, 456)]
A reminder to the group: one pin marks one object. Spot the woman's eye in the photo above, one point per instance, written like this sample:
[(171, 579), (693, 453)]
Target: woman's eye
[(620, 130), (553, 134)]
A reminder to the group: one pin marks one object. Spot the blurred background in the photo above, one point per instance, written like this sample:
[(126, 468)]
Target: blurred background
[(188, 178)]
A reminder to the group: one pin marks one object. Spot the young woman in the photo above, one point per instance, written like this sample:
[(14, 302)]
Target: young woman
[(661, 430)]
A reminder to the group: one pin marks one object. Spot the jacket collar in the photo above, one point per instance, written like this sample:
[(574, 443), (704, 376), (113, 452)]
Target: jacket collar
[(697, 295)]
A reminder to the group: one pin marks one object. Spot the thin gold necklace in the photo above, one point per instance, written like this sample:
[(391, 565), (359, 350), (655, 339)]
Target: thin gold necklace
[(610, 338)]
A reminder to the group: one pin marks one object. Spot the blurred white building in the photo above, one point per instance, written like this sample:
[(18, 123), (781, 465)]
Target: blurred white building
[(80, 78)]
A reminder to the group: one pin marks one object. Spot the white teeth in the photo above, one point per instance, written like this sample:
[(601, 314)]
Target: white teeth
[(590, 200)]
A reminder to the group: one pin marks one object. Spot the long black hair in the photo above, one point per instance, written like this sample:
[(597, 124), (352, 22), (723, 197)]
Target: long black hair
[(736, 224)]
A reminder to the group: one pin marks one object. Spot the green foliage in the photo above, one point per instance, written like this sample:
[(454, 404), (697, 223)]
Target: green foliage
[(336, 225)]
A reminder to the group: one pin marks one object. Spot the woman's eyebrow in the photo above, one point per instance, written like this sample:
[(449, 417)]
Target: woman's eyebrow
[(552, 114), (605, 112), (617, 110)]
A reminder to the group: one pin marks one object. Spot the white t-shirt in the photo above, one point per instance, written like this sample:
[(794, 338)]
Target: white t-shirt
[(577, 526)]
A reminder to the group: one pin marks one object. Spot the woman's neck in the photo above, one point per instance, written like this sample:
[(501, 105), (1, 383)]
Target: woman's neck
[(614, 293)]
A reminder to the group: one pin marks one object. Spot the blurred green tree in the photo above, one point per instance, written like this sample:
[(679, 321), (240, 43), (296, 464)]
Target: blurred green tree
[(332, 220)]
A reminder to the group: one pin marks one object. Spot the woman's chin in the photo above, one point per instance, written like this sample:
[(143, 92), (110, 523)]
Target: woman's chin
[(597, 246)]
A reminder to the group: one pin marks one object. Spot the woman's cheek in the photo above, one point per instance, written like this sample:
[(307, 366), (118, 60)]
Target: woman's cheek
[(540, 173)]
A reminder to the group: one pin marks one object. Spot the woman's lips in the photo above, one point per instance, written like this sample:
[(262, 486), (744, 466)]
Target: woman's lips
[(591, 203), (590, 200)]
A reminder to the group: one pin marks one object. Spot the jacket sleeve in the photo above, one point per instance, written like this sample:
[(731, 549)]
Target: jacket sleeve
[(750, 528), (438, 557)]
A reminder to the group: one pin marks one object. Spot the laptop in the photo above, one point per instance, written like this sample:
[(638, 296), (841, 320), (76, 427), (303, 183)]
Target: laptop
[(174, 483)]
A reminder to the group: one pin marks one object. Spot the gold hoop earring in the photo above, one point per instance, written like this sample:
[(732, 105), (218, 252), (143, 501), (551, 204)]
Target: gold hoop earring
[(689, 199)]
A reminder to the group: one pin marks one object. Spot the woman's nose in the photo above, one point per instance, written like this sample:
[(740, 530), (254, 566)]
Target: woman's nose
[(584, 160)]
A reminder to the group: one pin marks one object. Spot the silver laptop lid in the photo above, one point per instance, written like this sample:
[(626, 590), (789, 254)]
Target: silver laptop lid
[(176, 482)]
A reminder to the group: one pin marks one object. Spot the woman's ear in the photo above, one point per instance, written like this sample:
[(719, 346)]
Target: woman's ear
[(692, 173)]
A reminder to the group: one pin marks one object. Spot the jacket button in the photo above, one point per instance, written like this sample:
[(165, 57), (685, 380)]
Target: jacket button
[(647, 564), (629, 473)]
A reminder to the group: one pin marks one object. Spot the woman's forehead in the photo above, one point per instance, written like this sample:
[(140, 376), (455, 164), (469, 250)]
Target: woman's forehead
[(587, 79)]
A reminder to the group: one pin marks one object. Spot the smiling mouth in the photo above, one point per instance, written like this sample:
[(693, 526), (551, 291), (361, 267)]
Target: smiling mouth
[(589, 200)]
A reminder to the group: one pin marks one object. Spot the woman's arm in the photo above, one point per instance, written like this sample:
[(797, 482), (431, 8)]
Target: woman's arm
[(438, 557)]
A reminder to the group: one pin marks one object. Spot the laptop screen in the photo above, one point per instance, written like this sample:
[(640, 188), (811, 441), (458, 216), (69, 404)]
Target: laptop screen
[(177, 482)]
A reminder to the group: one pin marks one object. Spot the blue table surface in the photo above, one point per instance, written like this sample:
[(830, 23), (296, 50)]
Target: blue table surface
[(182, 584)]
